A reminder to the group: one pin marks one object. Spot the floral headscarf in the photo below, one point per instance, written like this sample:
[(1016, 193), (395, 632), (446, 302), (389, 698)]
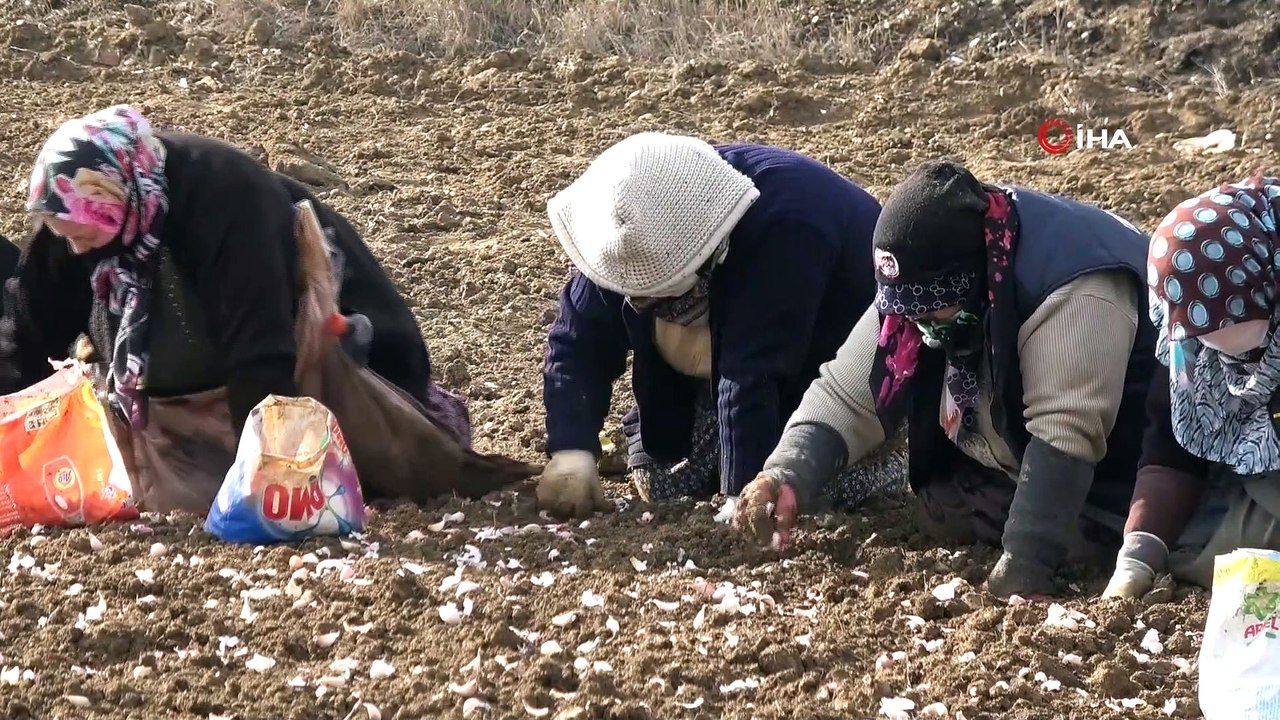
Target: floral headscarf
[(107, 170), (1212, 263)]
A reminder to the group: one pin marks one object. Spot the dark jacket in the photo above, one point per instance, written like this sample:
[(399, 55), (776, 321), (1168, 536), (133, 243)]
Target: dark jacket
[(796, 278), (225, 295), (1160, 447), (1059, 241)]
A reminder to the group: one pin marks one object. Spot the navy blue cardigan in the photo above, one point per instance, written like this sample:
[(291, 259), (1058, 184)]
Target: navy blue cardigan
[(796, 278)]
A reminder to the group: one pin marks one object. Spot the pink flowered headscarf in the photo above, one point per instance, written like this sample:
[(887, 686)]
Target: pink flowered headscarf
[(107, 170)]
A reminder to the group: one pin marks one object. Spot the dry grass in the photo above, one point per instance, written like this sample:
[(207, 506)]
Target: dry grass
[(765, 30)]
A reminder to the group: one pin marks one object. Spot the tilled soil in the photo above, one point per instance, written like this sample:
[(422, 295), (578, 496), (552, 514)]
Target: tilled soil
[(643, 613), (654, 611)]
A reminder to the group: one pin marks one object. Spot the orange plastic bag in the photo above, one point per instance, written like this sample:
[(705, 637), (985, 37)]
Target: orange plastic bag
[(59, 463)]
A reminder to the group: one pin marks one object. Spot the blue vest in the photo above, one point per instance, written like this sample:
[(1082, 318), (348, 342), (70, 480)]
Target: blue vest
[(1059, 240)]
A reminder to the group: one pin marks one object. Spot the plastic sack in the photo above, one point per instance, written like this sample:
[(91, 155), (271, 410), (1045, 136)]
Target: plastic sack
[(292, 479), (59, 463), (1240, 655)]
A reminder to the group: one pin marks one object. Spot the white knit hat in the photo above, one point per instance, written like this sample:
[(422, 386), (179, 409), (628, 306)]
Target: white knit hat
[(648, 212)]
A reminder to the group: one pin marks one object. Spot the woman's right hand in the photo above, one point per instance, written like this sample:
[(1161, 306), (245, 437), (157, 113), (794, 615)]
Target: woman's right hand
[(570, 485), (1136, 565), (767, 507)]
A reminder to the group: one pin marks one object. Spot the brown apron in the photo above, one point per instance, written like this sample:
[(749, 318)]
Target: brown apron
[(179, 461)]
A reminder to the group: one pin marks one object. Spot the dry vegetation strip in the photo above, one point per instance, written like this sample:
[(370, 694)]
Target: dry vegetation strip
[(765, 30)]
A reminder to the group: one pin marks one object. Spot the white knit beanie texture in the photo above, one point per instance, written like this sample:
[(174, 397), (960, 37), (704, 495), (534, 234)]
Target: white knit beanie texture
[(648, 212)]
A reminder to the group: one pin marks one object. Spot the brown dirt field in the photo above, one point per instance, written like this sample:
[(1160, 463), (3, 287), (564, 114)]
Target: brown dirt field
[(654, 611)]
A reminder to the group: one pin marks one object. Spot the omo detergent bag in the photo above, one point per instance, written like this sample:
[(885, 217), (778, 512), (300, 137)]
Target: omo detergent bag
[(1240, 655), (292, 479)]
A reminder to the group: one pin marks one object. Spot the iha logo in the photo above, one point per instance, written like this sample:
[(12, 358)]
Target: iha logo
[(1056, 136)]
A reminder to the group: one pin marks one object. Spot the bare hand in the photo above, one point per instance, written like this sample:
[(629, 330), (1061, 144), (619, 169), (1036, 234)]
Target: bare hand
[(766, 508)]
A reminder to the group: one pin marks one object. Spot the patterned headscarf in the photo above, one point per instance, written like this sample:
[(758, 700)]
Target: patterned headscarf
[(107, 170), (691, 306), (1213, 263), (961, 337)]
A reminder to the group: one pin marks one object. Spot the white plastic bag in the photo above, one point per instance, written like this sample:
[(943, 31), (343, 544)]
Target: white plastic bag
[(1240, 655), (293, 478)]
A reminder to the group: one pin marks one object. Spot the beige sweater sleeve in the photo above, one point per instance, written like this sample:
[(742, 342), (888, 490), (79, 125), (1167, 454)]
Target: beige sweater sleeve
[(1074, 351), (840, 397)]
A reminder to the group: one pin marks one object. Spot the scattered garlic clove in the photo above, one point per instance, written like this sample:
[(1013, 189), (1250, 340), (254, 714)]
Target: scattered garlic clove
[(96, 546), (141, 671), (592, 600), (536, 712), (473, 706), (159, 550), (466, 689), (465, 587), (896, 708), (247, 613), (381, 670), (588, 646), (802, 640), (297, 682), (612, 625), (937, 710), (372, 711), (550, 647), (147, 576), (692, 705), (1072, 659), (639, 565), (327, 640), (344, 665), (260, 663), (665, 605), (79, 701), (1151, 642), (564, 619), (450, 614), (947, 591), (601, 666), (700, 618)]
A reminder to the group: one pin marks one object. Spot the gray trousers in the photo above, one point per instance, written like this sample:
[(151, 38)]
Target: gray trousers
[(1236, 512)]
